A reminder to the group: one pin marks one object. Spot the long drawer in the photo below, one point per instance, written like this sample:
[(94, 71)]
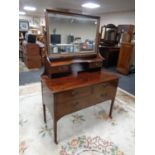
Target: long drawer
[(78, 99)]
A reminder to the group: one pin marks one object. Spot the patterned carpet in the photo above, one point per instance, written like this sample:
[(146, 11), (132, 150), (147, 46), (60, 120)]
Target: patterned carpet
[(86, 132)]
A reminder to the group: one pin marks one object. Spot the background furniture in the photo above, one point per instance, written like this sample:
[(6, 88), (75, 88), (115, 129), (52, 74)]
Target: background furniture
[(126, 58), (127, 52), (112, 39), (109, 35), (110, 54), (21, 39), (31, 55)]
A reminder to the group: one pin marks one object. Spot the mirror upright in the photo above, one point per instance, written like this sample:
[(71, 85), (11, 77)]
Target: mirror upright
[(71, 34)]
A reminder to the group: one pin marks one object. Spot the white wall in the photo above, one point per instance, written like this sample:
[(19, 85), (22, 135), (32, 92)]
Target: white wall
[(118, 18), (34, 21)]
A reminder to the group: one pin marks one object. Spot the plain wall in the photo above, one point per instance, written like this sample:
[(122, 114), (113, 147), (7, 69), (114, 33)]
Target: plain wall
[(118, 18)]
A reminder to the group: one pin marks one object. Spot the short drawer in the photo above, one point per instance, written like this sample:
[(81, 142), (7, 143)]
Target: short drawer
[(95, 65), (105, 91), (60, 69), (74, 94)]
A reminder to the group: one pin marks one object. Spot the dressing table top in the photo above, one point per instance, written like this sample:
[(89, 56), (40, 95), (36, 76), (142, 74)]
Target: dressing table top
[(83, 79)]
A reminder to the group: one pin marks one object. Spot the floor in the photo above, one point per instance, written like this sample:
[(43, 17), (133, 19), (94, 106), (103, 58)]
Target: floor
[(27, 76), (126, 82)]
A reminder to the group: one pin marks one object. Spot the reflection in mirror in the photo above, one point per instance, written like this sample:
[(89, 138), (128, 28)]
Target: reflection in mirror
[(71, 34)]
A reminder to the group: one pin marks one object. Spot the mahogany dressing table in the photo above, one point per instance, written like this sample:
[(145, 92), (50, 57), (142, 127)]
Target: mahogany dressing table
[(73, 78)]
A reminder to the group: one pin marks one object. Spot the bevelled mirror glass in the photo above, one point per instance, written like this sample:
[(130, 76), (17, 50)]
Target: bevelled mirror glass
[(70, 34)]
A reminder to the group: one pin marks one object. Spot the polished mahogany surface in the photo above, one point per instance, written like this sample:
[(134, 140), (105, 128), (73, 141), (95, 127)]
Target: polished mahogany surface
[(76, 81)]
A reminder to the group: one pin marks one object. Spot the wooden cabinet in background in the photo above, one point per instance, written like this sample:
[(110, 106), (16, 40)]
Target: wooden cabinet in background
[(110, 54), (125, 58), (127, 31), (31, 55)]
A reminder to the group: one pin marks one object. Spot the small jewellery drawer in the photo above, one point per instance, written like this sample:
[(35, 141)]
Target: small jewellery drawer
[(95, 64), (59, 69)]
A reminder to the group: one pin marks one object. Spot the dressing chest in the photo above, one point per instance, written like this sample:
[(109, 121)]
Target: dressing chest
[(73, 78)]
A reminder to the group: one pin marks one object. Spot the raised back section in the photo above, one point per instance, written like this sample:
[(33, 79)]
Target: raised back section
[(72, 43)]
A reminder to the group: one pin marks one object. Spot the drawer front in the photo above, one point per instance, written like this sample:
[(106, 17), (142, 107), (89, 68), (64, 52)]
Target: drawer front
[(95, 65), (72, 101), (74, 94), (60, 69), (105, 91), (70, 106)]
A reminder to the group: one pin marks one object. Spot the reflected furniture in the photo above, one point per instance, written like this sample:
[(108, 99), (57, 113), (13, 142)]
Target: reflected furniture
[(73, 78)]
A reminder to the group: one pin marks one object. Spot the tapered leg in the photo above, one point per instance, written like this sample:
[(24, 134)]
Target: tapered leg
[(44, 112), (111, 107), (55, 131)]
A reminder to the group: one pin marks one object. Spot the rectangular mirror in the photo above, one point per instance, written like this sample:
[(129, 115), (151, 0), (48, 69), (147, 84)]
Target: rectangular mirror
[(71, 34)]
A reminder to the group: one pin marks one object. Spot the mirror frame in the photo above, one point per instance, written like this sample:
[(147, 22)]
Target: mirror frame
[(69, 13)]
